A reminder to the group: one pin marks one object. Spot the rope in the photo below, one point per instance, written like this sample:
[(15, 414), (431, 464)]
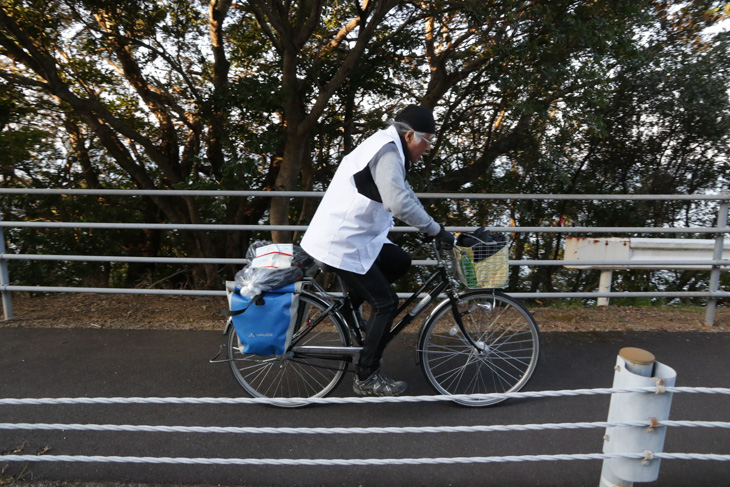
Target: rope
[(362, 431), (645, 456), (357, 400), (362, 462)]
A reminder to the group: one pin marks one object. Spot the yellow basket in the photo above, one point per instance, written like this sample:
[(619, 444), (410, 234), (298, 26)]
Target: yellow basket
[(483, 265)]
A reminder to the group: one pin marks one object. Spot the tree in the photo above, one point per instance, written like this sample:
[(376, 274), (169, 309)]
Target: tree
[(305, 47), (136, 75), (651, 128), (138, 116), (265, 94)]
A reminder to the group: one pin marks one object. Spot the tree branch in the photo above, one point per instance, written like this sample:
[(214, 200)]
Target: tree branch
[(306, 24), (221, 66), (265, 15), (156, 102), (46, 67), (347, 65)]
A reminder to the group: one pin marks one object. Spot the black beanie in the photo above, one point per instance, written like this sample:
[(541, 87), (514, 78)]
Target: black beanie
[(418, 118)]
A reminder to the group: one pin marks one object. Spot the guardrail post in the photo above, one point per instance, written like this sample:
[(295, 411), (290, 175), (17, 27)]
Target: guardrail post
[(4, 278), (604, 286), (636, 368), (715, 273)]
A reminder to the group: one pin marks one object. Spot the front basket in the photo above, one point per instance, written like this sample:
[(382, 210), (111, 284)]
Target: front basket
[(483, 265)]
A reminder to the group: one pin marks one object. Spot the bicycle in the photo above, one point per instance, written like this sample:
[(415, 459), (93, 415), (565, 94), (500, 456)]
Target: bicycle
[(474, 342)]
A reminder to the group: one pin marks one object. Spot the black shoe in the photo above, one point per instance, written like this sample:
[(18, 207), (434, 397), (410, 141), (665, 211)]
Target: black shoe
[(378, 385)]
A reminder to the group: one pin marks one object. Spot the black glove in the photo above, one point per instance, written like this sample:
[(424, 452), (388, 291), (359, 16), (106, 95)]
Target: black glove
[(445, 239)]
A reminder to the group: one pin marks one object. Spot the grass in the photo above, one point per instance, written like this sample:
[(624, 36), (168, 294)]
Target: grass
[(7, 480)]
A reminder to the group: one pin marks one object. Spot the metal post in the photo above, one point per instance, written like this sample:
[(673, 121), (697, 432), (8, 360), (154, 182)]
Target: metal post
[(4, 278), (715, 273), (636, 368), (604, 286)]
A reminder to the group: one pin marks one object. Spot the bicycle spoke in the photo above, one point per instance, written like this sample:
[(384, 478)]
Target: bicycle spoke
[(501, 372), (500, 355), (299, 376), (452, 375), (307, 374)]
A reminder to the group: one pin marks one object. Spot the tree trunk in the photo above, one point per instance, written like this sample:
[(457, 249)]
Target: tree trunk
[(287, 180)]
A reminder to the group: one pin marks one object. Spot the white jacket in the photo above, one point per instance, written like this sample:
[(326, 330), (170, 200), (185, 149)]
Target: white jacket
[(349, 229)]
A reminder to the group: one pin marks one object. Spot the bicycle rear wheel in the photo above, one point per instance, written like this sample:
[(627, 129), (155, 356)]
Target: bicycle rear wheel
[(295, 375), (508, 346)]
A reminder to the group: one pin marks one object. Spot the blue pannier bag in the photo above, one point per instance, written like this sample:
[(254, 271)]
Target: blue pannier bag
[(265, 323)]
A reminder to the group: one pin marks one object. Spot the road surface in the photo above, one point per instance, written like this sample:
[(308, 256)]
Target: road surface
[(149, 363)]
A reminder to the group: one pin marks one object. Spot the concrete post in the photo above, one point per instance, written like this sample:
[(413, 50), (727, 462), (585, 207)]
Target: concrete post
[(636, 368)]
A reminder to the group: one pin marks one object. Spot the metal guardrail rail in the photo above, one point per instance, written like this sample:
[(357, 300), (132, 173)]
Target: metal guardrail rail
[(717, 263)]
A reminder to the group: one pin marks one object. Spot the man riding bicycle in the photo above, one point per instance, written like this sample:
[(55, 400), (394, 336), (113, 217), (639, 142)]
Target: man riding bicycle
[(349, 231)]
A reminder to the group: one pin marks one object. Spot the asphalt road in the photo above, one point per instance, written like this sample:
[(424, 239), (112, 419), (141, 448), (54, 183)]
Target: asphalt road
[(104, 363)]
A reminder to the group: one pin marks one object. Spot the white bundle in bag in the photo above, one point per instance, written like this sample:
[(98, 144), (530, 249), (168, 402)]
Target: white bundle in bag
[(271, 267), (273, 256)]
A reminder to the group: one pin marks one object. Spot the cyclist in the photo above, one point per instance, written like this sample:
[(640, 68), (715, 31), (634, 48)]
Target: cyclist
[(349, 231)]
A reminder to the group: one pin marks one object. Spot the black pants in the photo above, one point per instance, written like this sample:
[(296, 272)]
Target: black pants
[(375, 287)]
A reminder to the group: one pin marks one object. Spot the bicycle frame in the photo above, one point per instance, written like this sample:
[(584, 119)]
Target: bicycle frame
[(444, 285), (343, 302)]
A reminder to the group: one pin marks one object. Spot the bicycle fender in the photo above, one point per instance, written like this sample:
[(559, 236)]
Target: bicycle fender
[(435, 311), (229, 323)]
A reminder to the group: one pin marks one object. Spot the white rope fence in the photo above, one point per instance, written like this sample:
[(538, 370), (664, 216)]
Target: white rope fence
[(357, 431), (658, 389), (644, 456)]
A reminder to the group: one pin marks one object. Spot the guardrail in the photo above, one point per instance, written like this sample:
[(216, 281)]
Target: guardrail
[(641, 253), (642, 458), (713, 293)]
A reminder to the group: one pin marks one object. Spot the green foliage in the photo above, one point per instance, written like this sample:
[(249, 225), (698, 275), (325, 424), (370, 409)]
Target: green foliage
[(531, 97)]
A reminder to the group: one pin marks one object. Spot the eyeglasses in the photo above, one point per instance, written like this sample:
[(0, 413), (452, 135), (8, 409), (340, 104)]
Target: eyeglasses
[(422, 136)]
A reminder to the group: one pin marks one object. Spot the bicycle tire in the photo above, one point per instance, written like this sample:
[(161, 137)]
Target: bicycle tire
[(292, 375), (498, 323)]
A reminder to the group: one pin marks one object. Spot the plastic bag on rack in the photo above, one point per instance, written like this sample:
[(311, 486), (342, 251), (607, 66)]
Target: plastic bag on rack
[(272, 266)]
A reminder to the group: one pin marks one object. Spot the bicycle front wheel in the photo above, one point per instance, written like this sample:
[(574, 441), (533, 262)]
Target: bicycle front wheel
[(295, 375), (504, 358)]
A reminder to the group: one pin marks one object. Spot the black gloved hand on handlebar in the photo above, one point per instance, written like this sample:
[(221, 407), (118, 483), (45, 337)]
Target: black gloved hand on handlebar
[(445, 239)]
